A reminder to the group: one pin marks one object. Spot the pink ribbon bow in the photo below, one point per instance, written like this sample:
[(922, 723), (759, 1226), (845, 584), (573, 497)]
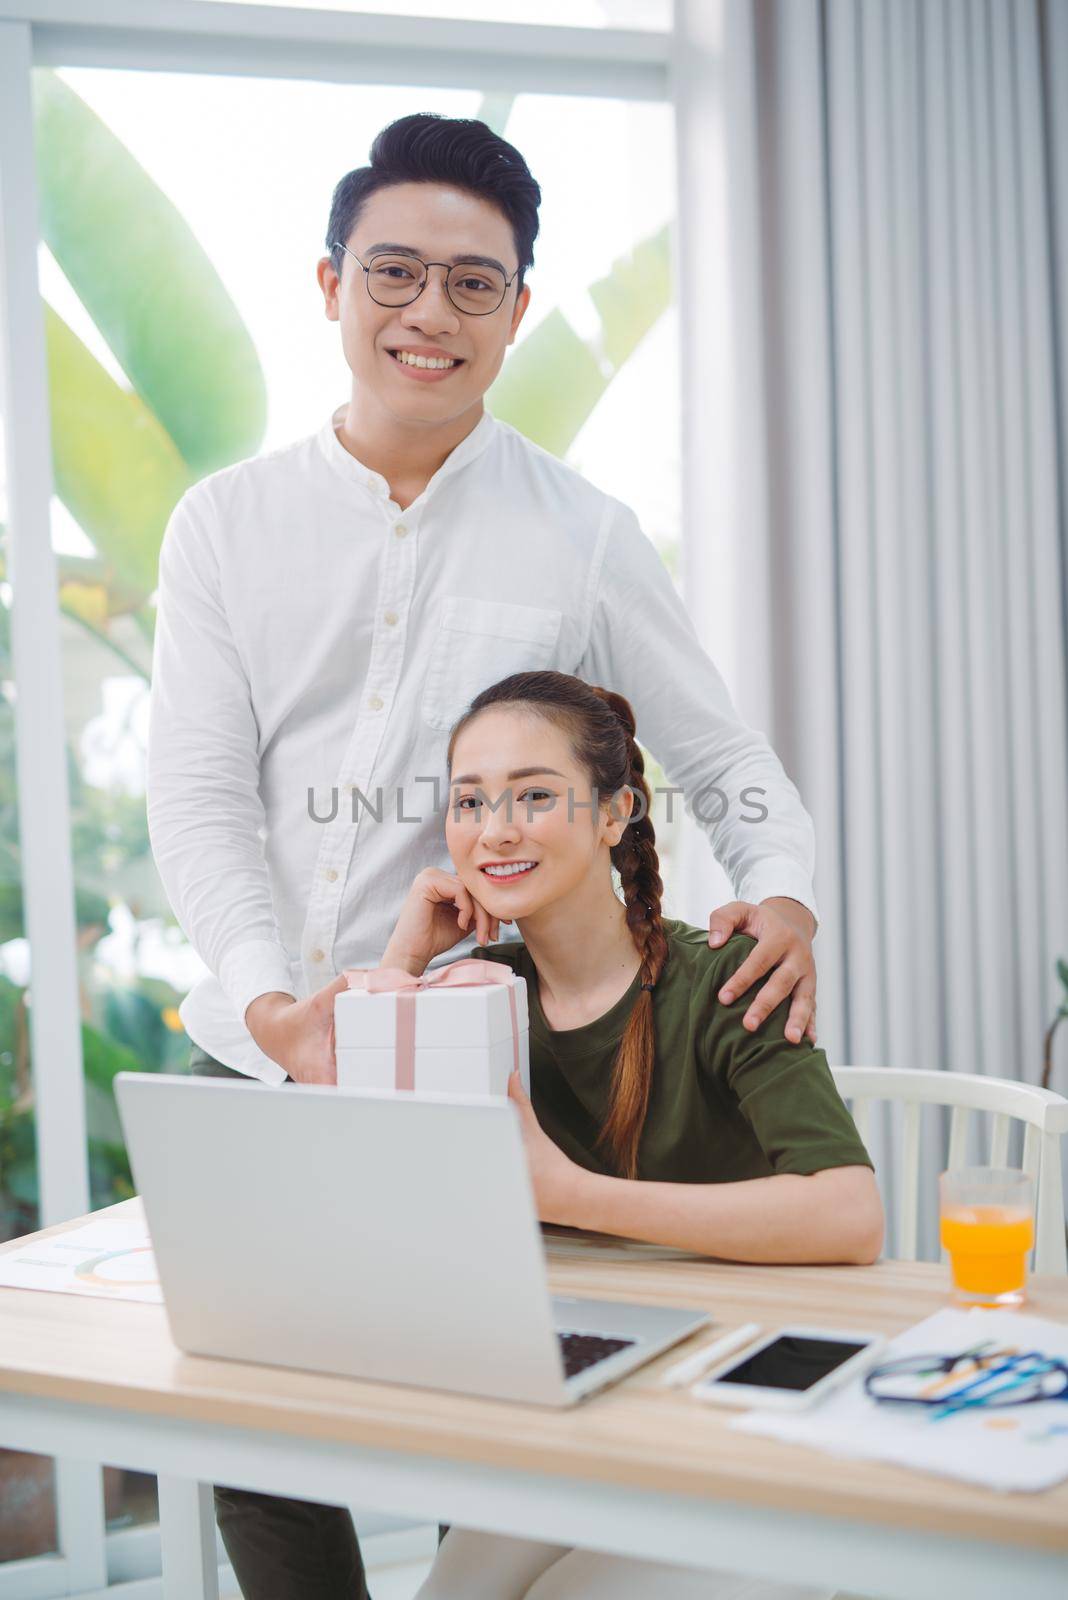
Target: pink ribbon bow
[(468, 974)]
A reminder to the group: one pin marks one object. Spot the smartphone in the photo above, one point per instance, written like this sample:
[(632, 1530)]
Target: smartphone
[(790, 1369)]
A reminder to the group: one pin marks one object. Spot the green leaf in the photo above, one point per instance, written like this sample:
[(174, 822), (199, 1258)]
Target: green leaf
[(88, 572), (495, 109), (136, 1024), (103, 1058), (109, 1173), (10, 1002), (532, 392), (11, 924), (633, 296), (20, 1180), (141, 274), (1062, 970), (116, 469)]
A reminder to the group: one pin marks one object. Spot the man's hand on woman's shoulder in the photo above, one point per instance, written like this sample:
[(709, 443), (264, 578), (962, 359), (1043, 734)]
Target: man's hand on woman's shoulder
[(784, 930)]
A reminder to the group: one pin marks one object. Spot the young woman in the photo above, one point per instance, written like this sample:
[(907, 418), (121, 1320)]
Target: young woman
[(656, 1114)]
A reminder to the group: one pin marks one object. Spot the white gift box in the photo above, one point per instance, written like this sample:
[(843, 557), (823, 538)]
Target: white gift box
[(463, 1037)]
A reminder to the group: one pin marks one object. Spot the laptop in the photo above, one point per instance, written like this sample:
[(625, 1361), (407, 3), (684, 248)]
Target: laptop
[(359, 1232)]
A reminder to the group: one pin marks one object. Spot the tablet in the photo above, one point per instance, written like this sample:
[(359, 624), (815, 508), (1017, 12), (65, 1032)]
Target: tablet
[(792, 1368)]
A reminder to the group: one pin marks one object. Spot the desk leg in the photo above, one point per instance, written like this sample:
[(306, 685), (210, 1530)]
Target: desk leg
[(187, 1538), (82, 1528)]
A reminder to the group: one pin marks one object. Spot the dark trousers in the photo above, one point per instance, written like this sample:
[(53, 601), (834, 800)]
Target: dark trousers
[(284, 1549)]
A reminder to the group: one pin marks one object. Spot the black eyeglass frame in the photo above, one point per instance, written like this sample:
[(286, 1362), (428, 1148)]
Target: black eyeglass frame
[(901, 1365), (426, 266)]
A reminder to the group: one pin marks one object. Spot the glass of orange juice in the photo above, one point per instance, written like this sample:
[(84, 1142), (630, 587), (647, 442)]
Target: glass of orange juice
[(988, 1228)]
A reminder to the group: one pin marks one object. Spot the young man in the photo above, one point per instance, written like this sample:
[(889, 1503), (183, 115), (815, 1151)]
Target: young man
[(328, 610)]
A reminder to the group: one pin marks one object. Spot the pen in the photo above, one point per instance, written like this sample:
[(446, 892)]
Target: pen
[(686, 1371)]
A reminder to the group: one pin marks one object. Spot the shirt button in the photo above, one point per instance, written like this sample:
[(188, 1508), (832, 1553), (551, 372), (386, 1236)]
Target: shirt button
[(400, 530), (331, 875), (317, 955), (391, 617), (375, 702)]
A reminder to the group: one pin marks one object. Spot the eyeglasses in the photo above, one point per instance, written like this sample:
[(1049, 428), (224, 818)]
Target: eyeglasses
[(981, 1376), (397, 280)]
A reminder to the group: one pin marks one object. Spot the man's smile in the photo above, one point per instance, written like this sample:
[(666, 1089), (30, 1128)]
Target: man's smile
[(426, 363)]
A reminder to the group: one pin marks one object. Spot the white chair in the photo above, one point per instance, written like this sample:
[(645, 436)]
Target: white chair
[(1043, 1112)]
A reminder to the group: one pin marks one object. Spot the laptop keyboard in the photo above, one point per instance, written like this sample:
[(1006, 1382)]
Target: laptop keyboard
[(582, 1350)]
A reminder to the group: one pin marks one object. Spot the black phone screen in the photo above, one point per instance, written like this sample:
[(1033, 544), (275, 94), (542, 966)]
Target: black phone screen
[(792, 1362)]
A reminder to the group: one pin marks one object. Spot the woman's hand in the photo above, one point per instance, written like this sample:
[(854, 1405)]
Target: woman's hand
[(436, 914), (557, 1179)]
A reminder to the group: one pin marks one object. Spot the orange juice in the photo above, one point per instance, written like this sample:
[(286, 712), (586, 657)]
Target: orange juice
[(988, 1248)]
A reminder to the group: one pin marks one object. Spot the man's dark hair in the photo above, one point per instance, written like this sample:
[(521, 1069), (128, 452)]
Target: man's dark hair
[(429, 148)]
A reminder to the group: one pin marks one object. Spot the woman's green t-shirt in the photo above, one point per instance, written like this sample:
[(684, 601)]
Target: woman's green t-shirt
[(725, 1104)]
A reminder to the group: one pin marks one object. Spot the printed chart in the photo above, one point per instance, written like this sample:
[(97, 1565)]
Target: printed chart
[(111, 1259)]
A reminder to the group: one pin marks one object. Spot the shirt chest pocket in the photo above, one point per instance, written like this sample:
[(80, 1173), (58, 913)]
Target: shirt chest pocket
[(477, 643)]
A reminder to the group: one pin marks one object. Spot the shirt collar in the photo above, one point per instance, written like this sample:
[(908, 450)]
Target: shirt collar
[(593, 1038), (354, 471)]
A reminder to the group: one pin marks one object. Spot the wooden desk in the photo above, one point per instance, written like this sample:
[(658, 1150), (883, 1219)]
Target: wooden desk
[(637, 1469)]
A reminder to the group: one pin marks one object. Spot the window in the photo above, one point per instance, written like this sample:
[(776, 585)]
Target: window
[(653, 15), (248, 163), (249, 166)]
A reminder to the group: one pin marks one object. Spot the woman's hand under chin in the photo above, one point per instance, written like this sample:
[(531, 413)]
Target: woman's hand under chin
[(436, 915), (557, 1180)]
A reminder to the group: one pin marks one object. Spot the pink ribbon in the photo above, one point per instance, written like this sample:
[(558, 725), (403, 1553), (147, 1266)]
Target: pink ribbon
[(468, 974)]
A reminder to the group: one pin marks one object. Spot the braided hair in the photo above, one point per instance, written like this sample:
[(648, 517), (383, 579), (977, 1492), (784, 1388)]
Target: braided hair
[(600, 727)]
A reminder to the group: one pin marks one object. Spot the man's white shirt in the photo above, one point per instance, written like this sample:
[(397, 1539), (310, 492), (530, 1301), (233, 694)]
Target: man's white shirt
[(314, 639)]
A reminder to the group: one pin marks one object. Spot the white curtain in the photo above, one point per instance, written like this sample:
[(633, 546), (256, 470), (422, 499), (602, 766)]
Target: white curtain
[(899, 210)]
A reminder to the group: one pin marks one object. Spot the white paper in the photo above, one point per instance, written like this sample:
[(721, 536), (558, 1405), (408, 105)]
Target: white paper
[(110, 1259), (1020, 1447)]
